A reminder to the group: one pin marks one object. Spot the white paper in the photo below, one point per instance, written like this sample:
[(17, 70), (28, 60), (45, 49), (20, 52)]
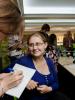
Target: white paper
[(28, 73)]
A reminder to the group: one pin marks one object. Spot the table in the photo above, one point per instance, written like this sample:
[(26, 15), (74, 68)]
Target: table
[(67, 63), (66, 75)]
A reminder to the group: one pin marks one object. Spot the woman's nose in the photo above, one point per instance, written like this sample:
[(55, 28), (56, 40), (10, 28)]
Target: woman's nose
[(35, 46)]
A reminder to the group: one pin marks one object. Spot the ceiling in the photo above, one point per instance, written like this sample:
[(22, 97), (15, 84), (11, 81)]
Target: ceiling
[(49, 3), (59, 14)]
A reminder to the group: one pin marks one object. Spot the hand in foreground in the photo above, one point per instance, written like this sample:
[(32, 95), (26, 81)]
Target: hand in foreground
[(32, 85), (10, 80), (3, 75), (44, 89)]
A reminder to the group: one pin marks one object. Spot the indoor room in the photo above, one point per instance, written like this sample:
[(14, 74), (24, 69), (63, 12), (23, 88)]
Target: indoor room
[(59, 15)]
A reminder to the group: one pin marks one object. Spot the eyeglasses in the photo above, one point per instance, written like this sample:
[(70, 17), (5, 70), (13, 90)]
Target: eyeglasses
[(36, 44)]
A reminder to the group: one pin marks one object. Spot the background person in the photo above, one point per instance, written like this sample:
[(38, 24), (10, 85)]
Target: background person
[(67, 43), (51, 50), (45, 29), (11, 21)]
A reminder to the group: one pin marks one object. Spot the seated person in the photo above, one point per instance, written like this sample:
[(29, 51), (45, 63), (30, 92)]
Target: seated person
[(52, 50), (44, 83)]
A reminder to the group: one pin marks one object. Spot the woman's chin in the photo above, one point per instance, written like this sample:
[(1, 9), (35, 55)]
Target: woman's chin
[(36, 55)]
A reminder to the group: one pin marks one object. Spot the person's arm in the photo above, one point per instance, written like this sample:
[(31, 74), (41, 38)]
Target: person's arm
[(54, 83), (9, 80)]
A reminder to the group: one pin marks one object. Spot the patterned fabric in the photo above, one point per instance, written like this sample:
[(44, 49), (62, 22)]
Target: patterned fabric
[(13, 43), (52, 54), (12, 39)]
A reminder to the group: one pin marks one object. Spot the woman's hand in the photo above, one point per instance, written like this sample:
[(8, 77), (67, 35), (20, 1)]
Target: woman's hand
[(44, 89), (32, 85), (2, 75), (10, 80)]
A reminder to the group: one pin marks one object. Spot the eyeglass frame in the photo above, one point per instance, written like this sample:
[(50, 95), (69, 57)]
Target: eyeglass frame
[(38, 44)]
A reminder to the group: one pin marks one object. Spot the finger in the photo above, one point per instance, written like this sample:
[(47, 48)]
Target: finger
[(18, 72), (41, 86), (14, 84), (41, 91), (34, 86), (3, 75), (9, 74), (17, 77), (38, 88), (14, 78), (29, 87), (33, 83)]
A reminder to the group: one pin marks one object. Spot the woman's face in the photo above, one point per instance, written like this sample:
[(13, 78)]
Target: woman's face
[(36, 46)]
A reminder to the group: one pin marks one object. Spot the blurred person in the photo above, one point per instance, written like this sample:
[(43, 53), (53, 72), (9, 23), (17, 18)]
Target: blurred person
[(51, 51), (45, 29), (67, 42), (11, 21), (44, 84)]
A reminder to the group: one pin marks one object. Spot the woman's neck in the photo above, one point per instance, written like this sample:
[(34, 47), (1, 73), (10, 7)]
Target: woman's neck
[(41, 65), (38, 59)]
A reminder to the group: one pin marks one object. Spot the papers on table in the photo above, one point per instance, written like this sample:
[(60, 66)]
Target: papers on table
[(28, 73)]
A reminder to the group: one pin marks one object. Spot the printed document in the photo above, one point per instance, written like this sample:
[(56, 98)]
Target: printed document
[(28, 73)]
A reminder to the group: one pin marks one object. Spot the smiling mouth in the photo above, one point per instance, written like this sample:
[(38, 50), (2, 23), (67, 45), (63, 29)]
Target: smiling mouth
[(36, 51)]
